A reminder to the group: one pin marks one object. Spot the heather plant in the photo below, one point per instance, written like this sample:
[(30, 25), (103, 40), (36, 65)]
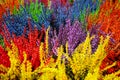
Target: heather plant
[(80, 9), (33, 14), (74, 34)]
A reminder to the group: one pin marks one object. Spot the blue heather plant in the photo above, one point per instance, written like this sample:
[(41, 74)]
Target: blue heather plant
[(80, 9), (60, 12), (17, 22), (38, 12)]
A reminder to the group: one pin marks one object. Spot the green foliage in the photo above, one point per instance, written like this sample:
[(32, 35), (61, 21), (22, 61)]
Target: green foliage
[(1, 41)]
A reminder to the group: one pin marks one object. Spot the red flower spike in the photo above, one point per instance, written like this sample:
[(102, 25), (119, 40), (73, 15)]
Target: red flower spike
[(118, 64), (4, 59), (111, 70)]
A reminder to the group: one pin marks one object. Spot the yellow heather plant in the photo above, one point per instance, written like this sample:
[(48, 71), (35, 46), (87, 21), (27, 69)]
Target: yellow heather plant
[(80, 60), (86, 66), (53, 69)]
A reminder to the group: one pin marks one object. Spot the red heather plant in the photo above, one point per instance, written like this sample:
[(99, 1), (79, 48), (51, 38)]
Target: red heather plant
[(109, 20), (4, 59), (28, 42)]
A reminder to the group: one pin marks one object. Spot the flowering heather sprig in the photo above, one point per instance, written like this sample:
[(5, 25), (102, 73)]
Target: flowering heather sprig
[(94, 31), (76, 35), (4, 59), (112, 57)]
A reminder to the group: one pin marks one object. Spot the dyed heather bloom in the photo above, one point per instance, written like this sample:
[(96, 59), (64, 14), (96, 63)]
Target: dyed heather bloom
[(94, 31), (18, 22), (80, 9), (74, 34), (63, 34), (94, 43), (60, 12), (4, 59)]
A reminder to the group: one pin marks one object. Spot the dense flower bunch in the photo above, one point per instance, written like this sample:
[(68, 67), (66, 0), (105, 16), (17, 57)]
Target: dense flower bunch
[(109, 20), (59, 40)]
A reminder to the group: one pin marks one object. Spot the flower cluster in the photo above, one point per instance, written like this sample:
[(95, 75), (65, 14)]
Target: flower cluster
[(59, 40)]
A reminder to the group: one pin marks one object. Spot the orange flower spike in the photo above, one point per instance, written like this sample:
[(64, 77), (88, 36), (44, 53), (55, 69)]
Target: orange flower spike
[(8, 4)]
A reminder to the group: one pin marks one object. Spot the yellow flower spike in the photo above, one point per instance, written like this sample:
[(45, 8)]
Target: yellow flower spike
[(26, 69), (21, 2), (25, 57), (60, 52), (96, 59), (100, 53), (14, 49), (61, 75), (66, 48), (110, 66), (112, 76), (29, 70), (46, 40), (3, 68), (22, 68), (86, 46), (41, 52)]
